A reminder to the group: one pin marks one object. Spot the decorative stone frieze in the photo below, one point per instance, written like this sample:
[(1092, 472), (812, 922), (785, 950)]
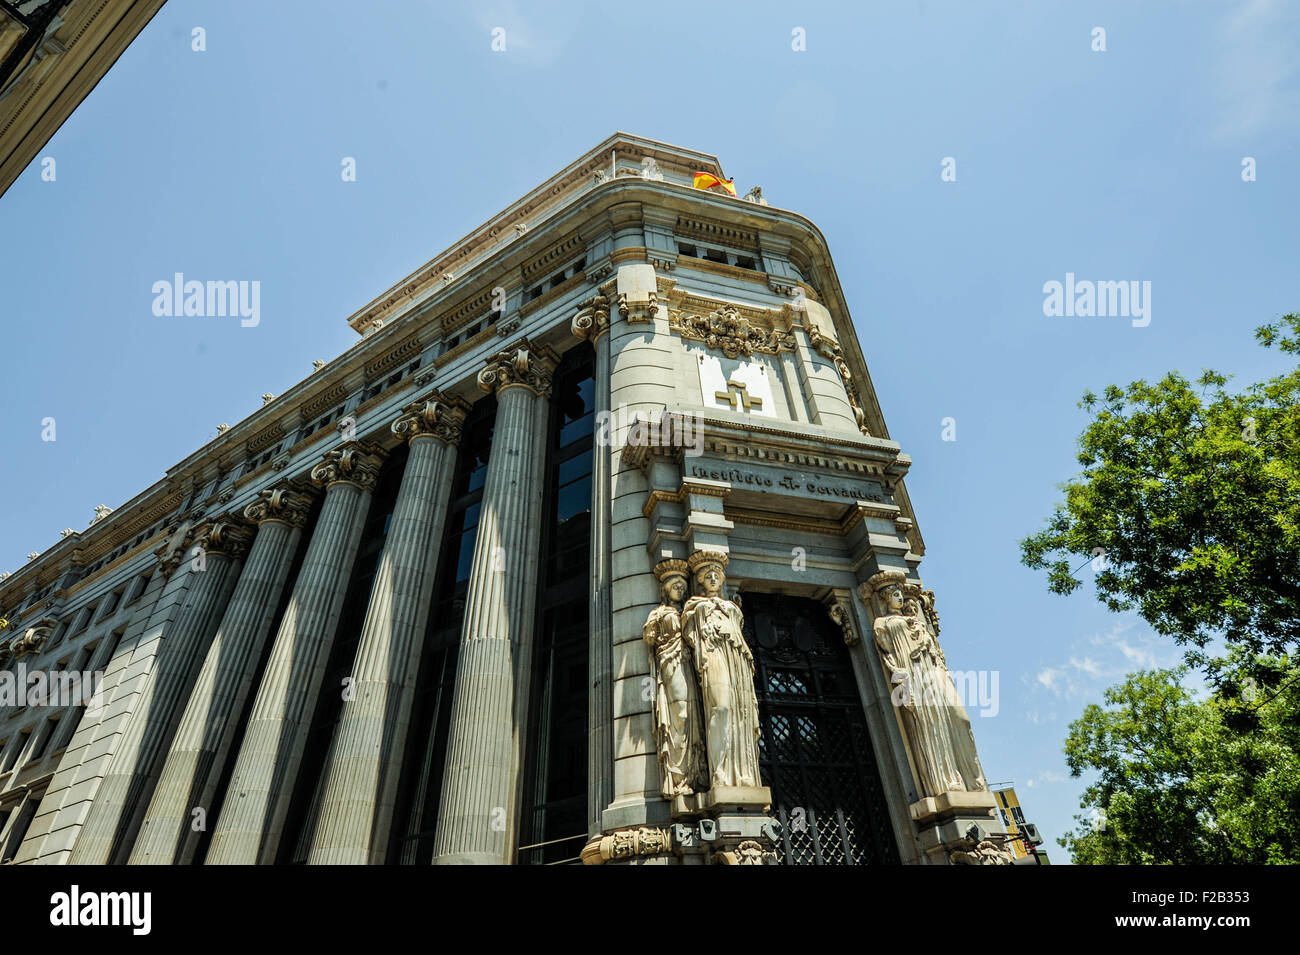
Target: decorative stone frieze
[(628, 844), (727, 330)]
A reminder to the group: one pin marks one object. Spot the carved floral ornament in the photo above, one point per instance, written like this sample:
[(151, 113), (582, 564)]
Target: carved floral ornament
[(436, 415), (521, 365), (356, 463), (729, 331)]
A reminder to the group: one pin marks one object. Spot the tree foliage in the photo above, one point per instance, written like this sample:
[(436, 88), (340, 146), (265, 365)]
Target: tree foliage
[(1191, 499), (1178, 784)]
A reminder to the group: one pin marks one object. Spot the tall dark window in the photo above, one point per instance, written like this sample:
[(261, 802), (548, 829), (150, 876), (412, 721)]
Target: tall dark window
[(554, 823), (420, 787), (300, 823)]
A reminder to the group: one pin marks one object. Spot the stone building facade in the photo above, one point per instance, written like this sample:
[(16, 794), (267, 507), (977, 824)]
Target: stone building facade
[(594, 547)]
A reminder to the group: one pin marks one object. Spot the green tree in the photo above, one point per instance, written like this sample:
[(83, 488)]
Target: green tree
[(1193, 499), (1178, 784)]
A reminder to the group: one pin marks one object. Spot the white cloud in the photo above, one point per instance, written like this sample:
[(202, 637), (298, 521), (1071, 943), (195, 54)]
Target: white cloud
[(1046, 777), (1088, 665)]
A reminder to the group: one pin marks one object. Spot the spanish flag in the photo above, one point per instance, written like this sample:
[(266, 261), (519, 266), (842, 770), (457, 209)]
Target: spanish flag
[(707, 180)]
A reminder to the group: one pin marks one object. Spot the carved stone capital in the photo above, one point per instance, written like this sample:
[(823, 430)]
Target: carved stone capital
[(33, 639), (628, 844), (282, 504), (227, 536), (522, 365), (435, 415), (356, 463), (592, 319)]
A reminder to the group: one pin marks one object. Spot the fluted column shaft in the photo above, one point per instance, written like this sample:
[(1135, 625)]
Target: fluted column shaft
[(207, 729), (592, 323), (478, 809), (256, 802), (215, 548), (360, 784)]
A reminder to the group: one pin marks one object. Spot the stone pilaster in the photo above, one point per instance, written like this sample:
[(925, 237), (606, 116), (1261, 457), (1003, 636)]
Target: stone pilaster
[(365, 760), (214, 548), (198, 755), (477, 814), (261, 785), (592, 323)]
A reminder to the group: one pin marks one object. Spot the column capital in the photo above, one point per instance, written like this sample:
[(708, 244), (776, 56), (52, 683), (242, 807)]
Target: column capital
[(436, 415), (279, 503), (592, 319), (229, 536), (356, 463), (522, 365)]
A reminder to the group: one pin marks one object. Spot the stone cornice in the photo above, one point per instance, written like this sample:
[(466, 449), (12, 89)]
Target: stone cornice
[(558, 192)]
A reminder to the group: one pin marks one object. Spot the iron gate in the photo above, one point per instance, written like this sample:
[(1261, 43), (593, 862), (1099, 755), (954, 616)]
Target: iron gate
[(814, 750)]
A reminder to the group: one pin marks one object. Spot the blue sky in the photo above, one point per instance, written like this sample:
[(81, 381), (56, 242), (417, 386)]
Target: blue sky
[(1115, 165)]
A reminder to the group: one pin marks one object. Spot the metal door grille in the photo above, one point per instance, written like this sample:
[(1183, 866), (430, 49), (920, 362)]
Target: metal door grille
[(814, 749)]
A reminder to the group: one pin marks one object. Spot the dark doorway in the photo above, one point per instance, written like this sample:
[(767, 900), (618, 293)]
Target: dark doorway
[(814, 750)]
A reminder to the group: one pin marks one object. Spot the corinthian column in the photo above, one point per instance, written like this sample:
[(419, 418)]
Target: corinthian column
[(592, 324), (356, 808), (214, 548), (257, 799), (171, 828), (477, 813)]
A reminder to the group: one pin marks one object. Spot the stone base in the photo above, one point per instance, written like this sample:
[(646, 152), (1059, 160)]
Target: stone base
[(722, 798), (943, 821)]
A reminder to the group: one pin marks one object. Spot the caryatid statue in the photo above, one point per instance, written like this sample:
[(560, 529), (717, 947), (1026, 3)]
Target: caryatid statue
[(937, 727), (711, 626), (676, 701)]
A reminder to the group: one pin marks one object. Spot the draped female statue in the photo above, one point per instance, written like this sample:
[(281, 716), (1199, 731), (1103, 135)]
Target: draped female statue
[(937, 727), (675, 703), (711, 627)]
